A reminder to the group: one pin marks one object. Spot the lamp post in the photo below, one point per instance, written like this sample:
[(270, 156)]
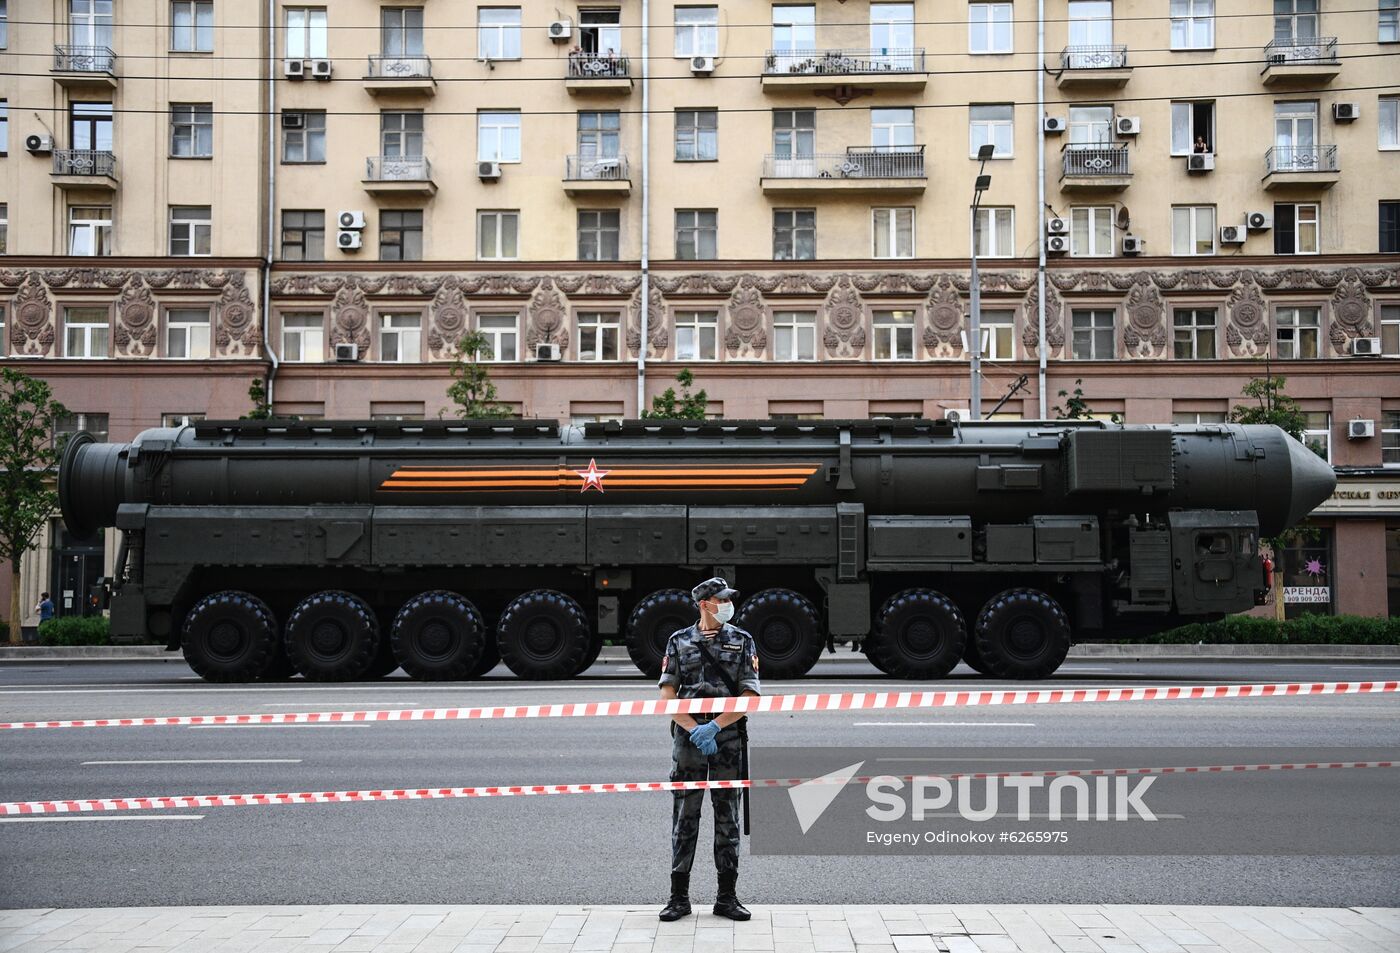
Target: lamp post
[(974, 328)]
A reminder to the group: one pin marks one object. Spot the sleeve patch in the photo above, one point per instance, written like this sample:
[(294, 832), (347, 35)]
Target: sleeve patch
[(667, 658), (755, 664)]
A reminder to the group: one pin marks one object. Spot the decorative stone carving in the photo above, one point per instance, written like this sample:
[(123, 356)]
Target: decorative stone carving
[(657, 338), (350, 319), (745, 335), (845, 321), (135, 333), (1351, 311), (1144, 332), (1247, 324), (447, 319), (945, 320), (238, 332), (1054, 330), (32, 330), (547, 318)]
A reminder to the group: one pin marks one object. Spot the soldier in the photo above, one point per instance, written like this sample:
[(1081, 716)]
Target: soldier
[(711, 659)]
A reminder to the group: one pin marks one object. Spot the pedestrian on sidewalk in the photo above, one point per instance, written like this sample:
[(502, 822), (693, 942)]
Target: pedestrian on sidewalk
[(710, 659), (44, 608)]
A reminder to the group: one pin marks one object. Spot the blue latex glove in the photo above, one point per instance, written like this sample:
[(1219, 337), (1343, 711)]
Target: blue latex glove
[(703, 737)]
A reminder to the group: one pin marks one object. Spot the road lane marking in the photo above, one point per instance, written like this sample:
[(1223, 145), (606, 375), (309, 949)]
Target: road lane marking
[(943, 724), (207, 761), (110, 817)]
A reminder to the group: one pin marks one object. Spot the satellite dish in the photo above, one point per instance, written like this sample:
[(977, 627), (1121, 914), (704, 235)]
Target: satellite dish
[(1123, 218)]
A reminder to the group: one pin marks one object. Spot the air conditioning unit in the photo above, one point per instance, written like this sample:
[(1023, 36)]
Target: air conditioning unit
[(1127, 125), (1346, 112), (1366, 347), (321, 69), (488, 171), (350, 219), (702, 65), (347, 353), (560, 30), (547, 352), (1132, 245), (1258, 221), (1057, 244), (1361, 429), (294, 120), (1054, 125), (1056, 226), (294, 69), (348, 240), (1200, 162), (38, 145), (1231, 235)]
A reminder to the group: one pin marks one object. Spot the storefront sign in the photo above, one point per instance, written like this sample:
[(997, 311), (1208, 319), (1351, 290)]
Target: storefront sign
[(1368, 497), (1312, 594)]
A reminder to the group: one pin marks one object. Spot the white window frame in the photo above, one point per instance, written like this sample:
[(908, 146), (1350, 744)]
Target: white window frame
[(795, 230), (496, 219), (605, 329), (1093, 230), (893, 129), (1188, 107), (998, 334), (306, 33), (1290, 336), (186, 229), (310, 339), (503, 342), (986, 224), (1318, 430), (1196, 418), (1390, 434), (791, 331), (4, 248), (99, 231), (1388, 22), (697, 135), (311, 133), (1090, 124), (697, 335), (1192, 236), (198, 32), (890, 228), (1388, 121), (698, 35), (1193, 23), (407, 338), (493, 135), (1388, 326), (190, 327), (599, 232), (499, 40), (91, 333), (997, 21), (991, 130), (192, 123), (1298, 221), (1194, 330), (702, 223), (1094, 329), (893, 335)]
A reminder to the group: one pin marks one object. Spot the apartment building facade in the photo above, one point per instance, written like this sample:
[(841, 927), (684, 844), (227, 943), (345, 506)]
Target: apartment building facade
[(776, 196)]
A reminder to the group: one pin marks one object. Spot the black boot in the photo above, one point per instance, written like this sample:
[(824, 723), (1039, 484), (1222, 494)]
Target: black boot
[(679, 905), (727, 901)]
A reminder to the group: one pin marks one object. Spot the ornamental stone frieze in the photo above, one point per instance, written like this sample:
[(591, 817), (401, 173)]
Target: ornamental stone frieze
[(1247, 321), (350, 319), (1351, 312), (135, 331), (547, 318), (1054, 329), (844, 311), (657, 338), (447, 319), (32, 326), (1145, 324), (745, 336), (942, 337)]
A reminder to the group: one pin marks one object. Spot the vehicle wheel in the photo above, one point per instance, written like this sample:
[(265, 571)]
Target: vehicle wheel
[(229, 636), (652, 623), (332, 636), (490, 656), (973, 659), (787, 630), (1022, 633), (595, 649), (919, 633), (438, 636), (544, 635), (384, 662), (279, 667)]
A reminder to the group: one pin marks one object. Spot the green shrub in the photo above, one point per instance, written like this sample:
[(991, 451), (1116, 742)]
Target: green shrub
[(75, 630), (1304, 630)]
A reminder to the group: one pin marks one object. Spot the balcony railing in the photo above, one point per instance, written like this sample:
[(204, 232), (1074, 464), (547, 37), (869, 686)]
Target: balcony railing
[(1091, 159), (398, 169), (1107, 56), (93, 162), (857, 162), (1301, 51), (400, 67), (84, 59), (595, 168), (599, 66), (842, 62), (1301, 159)]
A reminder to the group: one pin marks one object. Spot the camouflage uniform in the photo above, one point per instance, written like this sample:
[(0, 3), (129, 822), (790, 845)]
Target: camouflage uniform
[(685, 668)]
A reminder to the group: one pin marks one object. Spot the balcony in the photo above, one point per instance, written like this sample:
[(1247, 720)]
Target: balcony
[(598, 73), (85, 67), (596, 175), (399, 175), (1301, 167), (1104, 66), (887, 169), (1310, 60), (401, 75), (1094, 167), (85, 170), (816, 69)]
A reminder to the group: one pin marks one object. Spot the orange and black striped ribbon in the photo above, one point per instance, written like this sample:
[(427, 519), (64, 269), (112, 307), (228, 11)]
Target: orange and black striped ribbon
[(641, 477)]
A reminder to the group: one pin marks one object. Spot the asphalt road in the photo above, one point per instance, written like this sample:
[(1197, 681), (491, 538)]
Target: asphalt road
[(607, 848)]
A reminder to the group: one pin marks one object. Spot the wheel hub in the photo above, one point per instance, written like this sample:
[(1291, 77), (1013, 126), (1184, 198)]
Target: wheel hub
[(779, 637), (225, 639), (1025, 636), (542, 637), (921, 637), (435, 637), (328, 637)]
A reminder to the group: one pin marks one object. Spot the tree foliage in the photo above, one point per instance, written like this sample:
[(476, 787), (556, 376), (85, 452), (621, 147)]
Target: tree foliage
[(257, 393), (472, 390), (685, 406), (1272, 405), (1076, 407)]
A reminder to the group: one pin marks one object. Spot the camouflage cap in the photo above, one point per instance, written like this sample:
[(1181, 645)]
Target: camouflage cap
[(713, 588)]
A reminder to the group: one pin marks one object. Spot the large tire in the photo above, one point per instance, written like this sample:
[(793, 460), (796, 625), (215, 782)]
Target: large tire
[(919, 633), (652, 623), (973, 659), (787, 629), (229, 636), (332, 636), (595, 649), (438, 636), (490, 656), (384, 663), (543, 635), (1022, 633), (280, 668)]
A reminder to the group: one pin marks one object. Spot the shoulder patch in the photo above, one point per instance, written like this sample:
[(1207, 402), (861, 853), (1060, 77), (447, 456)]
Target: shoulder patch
[(755, 664), (665, 659)]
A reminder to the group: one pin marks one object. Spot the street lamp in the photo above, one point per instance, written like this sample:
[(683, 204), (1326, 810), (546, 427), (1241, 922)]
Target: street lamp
[(974, 329)]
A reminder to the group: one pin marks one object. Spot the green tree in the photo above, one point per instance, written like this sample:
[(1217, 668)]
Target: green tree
[(685, 406), (257, 393), (1076, 407), (472, 389), (28, 455)]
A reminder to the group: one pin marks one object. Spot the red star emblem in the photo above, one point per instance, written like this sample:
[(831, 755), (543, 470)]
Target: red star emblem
[(592, 477)]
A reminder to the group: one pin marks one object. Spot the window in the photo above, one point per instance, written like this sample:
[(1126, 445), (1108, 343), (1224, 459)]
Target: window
[(4, 24), (191, 26), (497, 236), (989, 28), (697, 31), (304, 235), (1295, 137), (1295, 229), (794, 137), (1193, 334), (1390, 438), (1317, 433), (4, 127), (993, 233), (697, 135), (69, 424), (1390, 330), (85, 332), (998, 335), (1296, 330), (190, 230), (180, 420), (1389, 25), (598, 234), (1091, 231), (303, 137), (303, 338), (697, 335), (400, 338), (990, 124), (4, 246), (794, 336), (1193, 125), (892, 34), (891, 128), (498, 136), (401, 134), (1193, 24), (598, 335), (1092, 335), (401, 236), (90, 230), (1193, 230), (401, 31), (1090, 25), (1090, 125), (90, 126), (794, 234), (191, 130), (498, 33), (598, 134), (502, 337), (1389, 213), (600, 31), (697, 234), (1388, 122), (90, 22), (306, 33), (1199, 417), (794, 32), (894, 335), (892, 231), (187, 333), (1295, 19)]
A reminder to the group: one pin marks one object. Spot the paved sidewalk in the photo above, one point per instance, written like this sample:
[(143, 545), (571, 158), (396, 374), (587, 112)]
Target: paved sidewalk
[(635, 929)]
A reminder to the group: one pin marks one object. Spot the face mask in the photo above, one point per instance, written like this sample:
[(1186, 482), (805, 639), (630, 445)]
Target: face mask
[(724, 612)]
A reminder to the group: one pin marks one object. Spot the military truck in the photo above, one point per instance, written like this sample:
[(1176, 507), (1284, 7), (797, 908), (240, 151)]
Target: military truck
[(348, 549)]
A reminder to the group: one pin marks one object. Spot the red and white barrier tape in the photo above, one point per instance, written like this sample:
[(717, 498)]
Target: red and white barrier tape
[(846, 701), (178, 802)]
